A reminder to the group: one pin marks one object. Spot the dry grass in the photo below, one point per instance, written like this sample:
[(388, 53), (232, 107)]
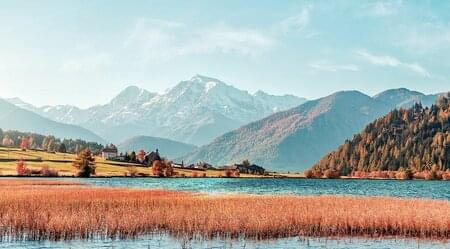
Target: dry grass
[(55, 213), (104, 168)]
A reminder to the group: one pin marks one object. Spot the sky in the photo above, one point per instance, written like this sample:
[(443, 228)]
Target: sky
[(85, 52)]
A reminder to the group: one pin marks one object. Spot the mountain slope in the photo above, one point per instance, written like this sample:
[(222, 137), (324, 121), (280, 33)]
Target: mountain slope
[(194, 111), (403, 97), (413, 140), (295, 139), (168, 148), (15, 118)]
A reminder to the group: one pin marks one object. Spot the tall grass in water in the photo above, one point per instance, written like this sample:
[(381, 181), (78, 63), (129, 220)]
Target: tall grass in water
[(57, 213)]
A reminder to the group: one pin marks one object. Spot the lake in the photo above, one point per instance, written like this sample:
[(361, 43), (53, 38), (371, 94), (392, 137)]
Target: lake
[(270, 186), (404, 189)]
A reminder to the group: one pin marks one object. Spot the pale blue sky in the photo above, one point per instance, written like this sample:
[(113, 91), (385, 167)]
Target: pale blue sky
[(85, 52)]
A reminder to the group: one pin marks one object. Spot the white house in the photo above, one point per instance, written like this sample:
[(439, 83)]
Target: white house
[(109, 153)]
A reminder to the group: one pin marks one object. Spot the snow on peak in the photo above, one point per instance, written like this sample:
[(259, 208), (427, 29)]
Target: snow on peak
[(210, 85)]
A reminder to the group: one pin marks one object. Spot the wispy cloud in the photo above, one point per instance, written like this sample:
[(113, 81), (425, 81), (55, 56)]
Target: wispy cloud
[(324, 65), (390, 61), (297, 22), (87, 63), (161, 40), (381, 8)]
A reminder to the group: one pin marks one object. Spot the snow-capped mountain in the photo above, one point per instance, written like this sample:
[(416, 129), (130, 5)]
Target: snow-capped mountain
[(194, 111)]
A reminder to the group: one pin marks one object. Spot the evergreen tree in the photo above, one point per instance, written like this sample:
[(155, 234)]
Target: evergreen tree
[(62, 148)]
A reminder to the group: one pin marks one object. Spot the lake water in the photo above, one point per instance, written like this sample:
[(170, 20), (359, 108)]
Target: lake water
[(405, 189), (270, 186)]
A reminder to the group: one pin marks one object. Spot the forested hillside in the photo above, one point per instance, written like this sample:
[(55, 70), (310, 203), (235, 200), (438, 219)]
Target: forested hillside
[(406, 140), (12, 138)]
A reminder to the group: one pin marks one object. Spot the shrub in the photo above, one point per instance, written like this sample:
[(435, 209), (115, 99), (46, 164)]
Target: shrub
[(429, 175), (330, 174), (309, 173), (46, 171), (446, 175), (194, 174), (162, 169), (317, 174), (132, 171), (157, 169)]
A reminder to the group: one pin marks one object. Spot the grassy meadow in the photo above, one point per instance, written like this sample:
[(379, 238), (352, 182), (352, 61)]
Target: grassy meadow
[(63, 163), (59, 210)]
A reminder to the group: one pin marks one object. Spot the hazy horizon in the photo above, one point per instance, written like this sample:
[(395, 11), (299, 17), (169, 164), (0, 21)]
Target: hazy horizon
[(252, 93), (83, 53)]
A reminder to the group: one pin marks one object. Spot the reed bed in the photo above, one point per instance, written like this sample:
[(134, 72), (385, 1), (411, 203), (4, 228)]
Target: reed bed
[(57, 213)]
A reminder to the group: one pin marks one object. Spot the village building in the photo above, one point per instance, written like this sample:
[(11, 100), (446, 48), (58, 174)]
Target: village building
[(151, 157), (250, 169), (109, 153)]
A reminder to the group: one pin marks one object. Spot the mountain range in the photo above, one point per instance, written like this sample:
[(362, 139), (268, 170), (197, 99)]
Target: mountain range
[(296, 138), (13, 117), (195, 111)]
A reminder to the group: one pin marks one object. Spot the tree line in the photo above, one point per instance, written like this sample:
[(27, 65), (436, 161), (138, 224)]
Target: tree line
[(12, 138)]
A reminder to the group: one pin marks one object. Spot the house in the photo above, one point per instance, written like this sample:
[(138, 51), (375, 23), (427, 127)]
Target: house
[(250, 169), (109, 153), (151, 157)]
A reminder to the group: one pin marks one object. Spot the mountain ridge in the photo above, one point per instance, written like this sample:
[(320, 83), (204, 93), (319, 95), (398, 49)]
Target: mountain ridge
[(194, 111), (13, 117), (296, 138)]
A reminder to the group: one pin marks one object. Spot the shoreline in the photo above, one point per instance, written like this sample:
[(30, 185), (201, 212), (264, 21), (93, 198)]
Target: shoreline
[(218, 177)]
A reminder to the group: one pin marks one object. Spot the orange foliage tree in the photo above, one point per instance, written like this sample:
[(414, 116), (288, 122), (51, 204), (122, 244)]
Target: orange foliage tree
[(85, 163), (25, 143), (22, 169), (162, 169)]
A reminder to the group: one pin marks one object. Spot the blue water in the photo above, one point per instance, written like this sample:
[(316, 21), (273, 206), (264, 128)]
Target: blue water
[(404, 189), (166, 242), (269, 186)]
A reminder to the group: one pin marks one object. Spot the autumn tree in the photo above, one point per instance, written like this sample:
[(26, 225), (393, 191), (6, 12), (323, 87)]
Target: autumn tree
[(407, 141), (25, 143), (85, 163), (162, 168), (157, 168), (22, 169)]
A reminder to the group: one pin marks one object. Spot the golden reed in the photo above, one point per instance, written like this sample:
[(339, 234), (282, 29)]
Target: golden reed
[(30, 212)]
